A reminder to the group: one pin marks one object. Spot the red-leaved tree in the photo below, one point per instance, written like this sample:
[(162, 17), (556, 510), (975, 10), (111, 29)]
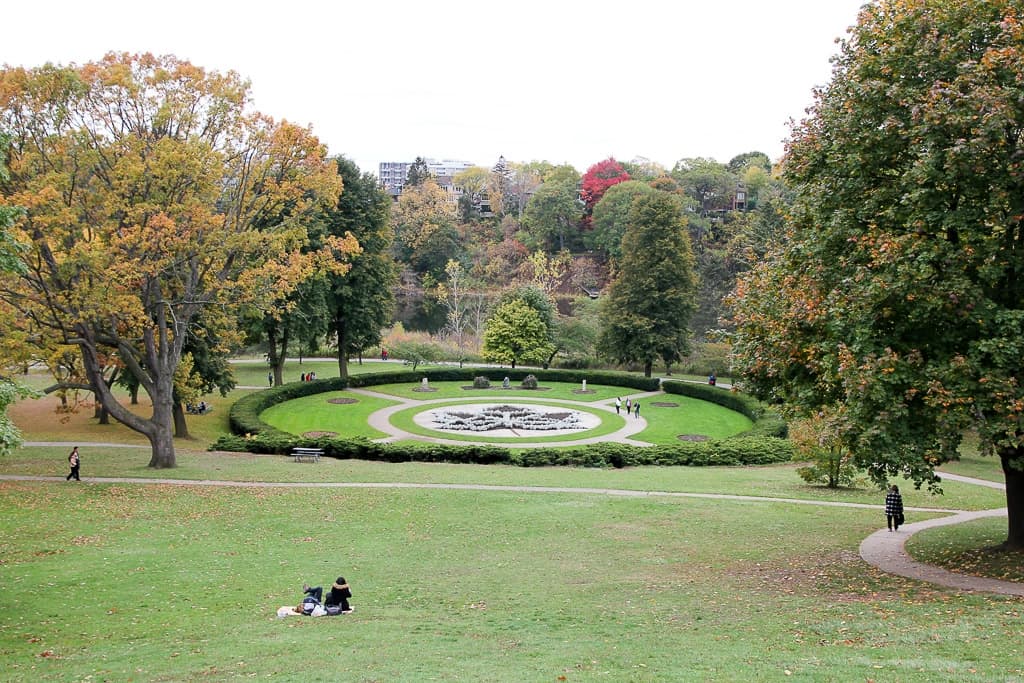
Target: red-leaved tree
[(595, 183)]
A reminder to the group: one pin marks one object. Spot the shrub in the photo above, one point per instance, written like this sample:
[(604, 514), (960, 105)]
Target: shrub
[(529, 382), (481, 382)]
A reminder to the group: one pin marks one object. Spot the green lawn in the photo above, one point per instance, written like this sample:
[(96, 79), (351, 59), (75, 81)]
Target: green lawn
[(778, 481), (689, 416), (317, 414), (128, 582), (180, 583)]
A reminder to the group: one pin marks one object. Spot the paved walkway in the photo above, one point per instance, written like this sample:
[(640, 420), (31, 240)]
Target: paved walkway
[(886, 550)]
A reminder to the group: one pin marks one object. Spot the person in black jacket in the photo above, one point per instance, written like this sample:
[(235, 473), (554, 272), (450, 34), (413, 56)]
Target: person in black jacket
[(339, 595), (894, 508)]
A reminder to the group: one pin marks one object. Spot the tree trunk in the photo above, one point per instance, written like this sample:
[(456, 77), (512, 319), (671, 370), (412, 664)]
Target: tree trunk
[(342, 333), (162, 442), (1014, 497), (134, 393), (275, 355), (180, 425), (161, 435), (648, 367)]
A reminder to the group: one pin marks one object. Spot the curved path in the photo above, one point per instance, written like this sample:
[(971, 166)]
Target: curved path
[(883, 549), (381, 420), (886, 549)]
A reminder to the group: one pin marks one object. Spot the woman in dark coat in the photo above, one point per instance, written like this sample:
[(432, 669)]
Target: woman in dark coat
[(894, 508)]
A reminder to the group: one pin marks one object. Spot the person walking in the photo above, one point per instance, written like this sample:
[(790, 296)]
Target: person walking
[(629, 405), (618, 404), (894, 508), (75, 461), (270, 378), (636, 409)]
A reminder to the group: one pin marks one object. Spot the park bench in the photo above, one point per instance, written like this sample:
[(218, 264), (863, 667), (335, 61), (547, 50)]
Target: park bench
[(311, 454)]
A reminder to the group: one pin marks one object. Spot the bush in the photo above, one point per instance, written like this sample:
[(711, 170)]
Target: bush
[(529, 382), (481, 382)]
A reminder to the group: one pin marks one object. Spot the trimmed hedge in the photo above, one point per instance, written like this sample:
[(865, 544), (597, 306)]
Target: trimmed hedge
[(759, 445)]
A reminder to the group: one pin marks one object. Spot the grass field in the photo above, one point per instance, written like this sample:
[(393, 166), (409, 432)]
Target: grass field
[(161, 582), (119, 582)]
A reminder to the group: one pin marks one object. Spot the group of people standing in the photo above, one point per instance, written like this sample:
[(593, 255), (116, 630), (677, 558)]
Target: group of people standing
[(631, 406)]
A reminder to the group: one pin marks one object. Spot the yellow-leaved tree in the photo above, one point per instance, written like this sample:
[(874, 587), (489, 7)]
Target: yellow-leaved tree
[(152, 196)]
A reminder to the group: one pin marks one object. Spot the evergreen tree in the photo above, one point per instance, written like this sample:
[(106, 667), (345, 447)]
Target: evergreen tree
[(647, 312), (418, 173)]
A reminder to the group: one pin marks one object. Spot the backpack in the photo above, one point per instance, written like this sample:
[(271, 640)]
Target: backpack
[(333, 610)]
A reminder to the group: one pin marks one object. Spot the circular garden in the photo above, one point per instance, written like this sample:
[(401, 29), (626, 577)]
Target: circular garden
[(487, 415)]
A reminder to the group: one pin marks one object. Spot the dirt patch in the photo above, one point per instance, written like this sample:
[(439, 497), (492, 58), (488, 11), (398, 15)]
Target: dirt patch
[(581, 391), (665, 404), (692, 437), (428, 390), (317, 435), (342, 401)]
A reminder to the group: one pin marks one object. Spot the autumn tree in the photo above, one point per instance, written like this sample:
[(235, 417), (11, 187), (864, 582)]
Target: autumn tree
[(360, 302), (898, 295), (596, 181), (144, 179), (424, 223), (646, 314), (473, 182)]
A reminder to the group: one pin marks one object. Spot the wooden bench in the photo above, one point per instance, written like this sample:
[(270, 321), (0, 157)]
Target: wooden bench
[(310, 454)]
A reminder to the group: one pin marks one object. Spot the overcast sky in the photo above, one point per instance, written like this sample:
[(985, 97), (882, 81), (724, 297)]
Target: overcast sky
[(556, 80)]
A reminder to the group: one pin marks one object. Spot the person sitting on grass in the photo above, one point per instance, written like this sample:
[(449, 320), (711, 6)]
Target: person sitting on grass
[(339, 595)]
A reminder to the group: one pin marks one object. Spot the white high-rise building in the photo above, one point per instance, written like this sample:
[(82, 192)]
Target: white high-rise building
[(392, 174)]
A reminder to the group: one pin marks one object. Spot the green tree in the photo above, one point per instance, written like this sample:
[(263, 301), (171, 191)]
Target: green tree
[(553, 213), (611, 217), (898, 297), (710, 184), (516, 334), (10, 262), (741, 162), (360, 303), (646, 314), (418, 173)]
